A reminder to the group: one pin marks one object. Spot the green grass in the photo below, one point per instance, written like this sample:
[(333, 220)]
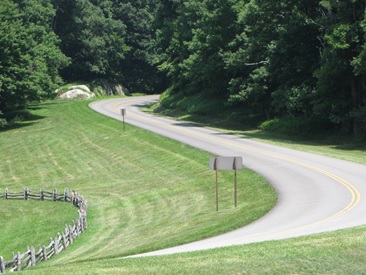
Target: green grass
[(31, 223), (144, 191), (340, 252)]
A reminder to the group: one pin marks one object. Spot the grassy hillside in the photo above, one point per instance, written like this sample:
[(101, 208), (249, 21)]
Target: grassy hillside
[(341, 252), (144, 191)]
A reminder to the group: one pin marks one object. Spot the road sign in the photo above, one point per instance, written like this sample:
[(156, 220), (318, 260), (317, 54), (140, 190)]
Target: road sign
[(226, 163)]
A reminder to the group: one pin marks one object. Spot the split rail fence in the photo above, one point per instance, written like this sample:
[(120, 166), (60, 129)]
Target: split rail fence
[(32, 256)]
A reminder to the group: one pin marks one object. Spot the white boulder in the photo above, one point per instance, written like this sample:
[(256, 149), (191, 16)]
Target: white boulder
[(80, 87), (77, 93)]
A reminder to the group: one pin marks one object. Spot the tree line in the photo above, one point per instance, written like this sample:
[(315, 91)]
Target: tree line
[(246, 59)]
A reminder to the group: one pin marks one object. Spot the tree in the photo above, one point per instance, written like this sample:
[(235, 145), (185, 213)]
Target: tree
[(92, 37), (273, 58), (341, 89), (192, 35), (138, 69), (29, 55)]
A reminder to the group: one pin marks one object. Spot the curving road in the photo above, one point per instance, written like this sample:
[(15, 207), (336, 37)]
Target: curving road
[(315, 193)]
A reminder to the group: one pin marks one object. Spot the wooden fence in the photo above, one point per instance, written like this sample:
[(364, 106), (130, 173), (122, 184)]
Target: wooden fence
[(31, 257)]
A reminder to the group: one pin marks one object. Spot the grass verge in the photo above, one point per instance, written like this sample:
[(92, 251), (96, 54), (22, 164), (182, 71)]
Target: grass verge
[(325, 143), (340, 252)]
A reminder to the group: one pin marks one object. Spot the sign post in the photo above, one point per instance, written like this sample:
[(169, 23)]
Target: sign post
[(217, 184), (226, 163), (235, 188), (123, 113)]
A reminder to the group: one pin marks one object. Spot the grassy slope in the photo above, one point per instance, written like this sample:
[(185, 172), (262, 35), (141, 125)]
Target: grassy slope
[(145, 192), (20, 219), (341, 252)]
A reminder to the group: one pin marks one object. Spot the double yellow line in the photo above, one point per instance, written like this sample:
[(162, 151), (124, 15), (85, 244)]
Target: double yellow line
[(355, 194)]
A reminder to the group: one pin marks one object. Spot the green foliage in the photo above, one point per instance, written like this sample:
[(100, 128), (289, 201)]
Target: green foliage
[(29, 55), (294, 126), (268, 58), (256, 58), (275, 52), (92, 37), (341, 91), (109, 39), (193, 105), (137, 71), (3, 121)]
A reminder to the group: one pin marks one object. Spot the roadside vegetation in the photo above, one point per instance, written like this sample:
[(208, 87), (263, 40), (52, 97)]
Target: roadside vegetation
[(302, 62), (287, 132)]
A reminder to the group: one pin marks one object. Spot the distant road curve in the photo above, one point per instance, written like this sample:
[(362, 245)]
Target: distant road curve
[(315, 193)]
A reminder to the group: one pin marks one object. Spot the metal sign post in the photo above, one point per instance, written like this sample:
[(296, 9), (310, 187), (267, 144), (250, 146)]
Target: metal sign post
[(123, 113), (217, 184), (235, 188), (226, 163)]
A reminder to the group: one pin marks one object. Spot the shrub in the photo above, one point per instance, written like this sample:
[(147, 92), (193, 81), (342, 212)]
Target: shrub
[(295, 126)]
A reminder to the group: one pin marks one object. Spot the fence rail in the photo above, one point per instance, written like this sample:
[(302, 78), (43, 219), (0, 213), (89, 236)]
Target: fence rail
[(31, 257)]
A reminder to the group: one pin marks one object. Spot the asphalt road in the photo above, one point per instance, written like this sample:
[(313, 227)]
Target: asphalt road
[(315, 193)]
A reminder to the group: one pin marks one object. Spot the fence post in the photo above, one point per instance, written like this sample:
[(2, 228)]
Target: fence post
[(81, 221), (71, 235), (55, 244), (64, 241), (72, 197), (26, 193), (54, 195), (78, 227), (41, 194), (6, 193), (33, 256), (2, 265), (65, 195), (27, 262), (19, 262), (44, 252), (13, 259)]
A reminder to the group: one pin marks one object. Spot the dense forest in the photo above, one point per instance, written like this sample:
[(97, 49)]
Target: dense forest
[(251, 60)]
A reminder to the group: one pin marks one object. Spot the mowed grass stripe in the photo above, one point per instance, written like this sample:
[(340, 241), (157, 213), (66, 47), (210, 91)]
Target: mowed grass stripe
[(144, 191)]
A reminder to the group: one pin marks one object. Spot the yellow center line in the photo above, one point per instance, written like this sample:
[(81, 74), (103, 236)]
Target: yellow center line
[(355, 194)]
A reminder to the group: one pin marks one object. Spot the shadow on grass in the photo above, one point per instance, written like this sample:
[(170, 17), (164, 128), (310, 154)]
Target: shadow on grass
[(338, 142), (24, 118), (331, 139)]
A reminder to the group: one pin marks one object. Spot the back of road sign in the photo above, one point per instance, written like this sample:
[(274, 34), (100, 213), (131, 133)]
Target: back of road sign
[(226, 163)]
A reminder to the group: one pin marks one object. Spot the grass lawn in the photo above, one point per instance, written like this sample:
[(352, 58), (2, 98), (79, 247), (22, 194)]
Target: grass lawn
[(31, 223), (340, 252), (144, 191)]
